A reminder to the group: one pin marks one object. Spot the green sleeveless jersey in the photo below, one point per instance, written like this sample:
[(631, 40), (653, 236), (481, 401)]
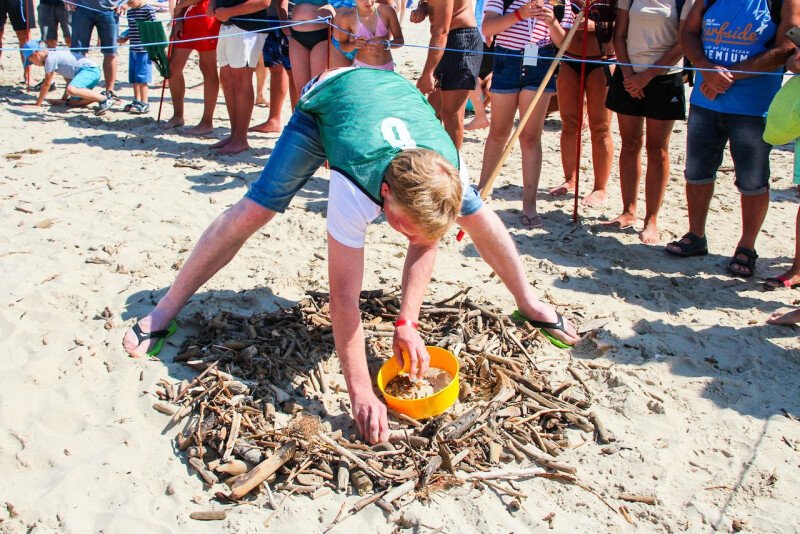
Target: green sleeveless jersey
[(366, 117)]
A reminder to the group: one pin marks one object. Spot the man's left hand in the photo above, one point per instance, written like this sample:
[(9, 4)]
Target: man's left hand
[(221, 14), (121, 9), (408, 343)]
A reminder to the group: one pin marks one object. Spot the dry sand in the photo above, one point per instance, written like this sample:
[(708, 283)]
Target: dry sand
[(100, 219)]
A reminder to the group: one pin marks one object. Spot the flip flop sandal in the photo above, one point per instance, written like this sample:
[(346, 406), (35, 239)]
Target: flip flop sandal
[(776, 282), (541, 325), (697, 246), (532, 222), (159, 335), (749, 263)]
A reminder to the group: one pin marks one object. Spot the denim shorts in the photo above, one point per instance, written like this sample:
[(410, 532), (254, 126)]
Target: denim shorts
[(708, 133), (107, 24), (140, 68), (86, 78), (296, 157), (511, 77)]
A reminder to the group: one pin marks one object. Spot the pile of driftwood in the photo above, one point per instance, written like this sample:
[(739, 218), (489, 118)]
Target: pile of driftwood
[(262, 414)]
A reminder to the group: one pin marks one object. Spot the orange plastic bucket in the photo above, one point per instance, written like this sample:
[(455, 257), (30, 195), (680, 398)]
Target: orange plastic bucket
[(427, 406)]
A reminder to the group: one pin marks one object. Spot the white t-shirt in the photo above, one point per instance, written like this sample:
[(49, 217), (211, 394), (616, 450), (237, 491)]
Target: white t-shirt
[(652, 30), (350, 211)]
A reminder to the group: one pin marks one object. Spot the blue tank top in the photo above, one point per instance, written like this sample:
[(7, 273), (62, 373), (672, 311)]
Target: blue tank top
[(733, 31)]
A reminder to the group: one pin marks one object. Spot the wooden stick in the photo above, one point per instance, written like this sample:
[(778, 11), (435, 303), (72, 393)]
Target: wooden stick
[(487, 188), (209, 515), (646, 499), (503, 474), (262, 471), (355, 459)]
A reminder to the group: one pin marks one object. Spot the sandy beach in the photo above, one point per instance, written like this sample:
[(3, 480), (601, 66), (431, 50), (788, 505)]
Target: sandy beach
[(101, 212)]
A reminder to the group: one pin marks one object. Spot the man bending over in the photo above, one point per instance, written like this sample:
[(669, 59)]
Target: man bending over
[(394, 158)]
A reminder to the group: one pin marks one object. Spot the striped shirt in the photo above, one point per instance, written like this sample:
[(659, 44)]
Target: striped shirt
[(526, 31), (145, 12)]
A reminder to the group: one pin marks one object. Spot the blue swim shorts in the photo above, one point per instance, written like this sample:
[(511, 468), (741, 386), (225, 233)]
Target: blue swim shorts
[(86, 78), (140, 68)]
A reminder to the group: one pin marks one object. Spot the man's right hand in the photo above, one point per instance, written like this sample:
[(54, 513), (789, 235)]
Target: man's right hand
[(719, 79), (69, 6), (370, 416), (419, 14)]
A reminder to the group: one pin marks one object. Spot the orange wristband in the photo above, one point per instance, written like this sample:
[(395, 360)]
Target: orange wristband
[(406, 322), (516, 14)]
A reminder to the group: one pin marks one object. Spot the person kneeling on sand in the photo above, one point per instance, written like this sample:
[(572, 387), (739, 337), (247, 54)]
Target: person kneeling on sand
[(401, 162), (80, 73)]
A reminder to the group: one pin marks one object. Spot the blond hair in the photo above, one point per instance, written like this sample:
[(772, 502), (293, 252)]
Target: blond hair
[(427, 188)]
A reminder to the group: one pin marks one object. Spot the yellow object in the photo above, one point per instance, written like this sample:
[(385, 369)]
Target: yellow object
[(427, 406)]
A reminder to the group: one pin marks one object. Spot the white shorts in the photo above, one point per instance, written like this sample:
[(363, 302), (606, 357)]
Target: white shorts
[(237, 48)]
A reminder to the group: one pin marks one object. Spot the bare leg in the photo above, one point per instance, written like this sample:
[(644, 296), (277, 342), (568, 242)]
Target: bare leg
[(495, 246), (208, 68), (792, 276), (261, 83), (300, 58), (452, 114), (503, 111), (698, 200), (244, 97), (657, 176), (630, 167), (530, 142), (568, 84), (278, 87), (216, 247), (602, 144), (177, 86), (85, 94), (481, 119), (230, 102), (110, 71), (23, 36)]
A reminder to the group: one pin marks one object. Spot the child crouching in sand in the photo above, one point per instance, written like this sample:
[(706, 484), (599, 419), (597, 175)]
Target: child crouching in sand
[(80, 73), (374, 30)]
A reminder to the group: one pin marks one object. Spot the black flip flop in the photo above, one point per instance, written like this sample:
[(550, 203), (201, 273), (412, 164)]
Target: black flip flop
[(541, 325)]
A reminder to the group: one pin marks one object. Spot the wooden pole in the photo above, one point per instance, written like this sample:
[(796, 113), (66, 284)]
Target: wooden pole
[(487, 188)]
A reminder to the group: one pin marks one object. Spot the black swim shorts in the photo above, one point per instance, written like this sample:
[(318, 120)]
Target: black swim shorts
[(22, 17), (458, 69)]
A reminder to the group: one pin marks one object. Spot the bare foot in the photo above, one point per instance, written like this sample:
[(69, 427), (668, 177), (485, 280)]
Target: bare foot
[(267, 127), (233, 147), (595, 198), (221, 143), (650, 234), (200, 129), (147, 325), (563, 189), (784, 317), (174, 122), (623, 221), (262, 102), (475, 124)]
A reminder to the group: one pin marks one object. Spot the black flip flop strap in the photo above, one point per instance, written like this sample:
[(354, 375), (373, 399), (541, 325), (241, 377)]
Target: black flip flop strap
[(143, 336), (558, 325)]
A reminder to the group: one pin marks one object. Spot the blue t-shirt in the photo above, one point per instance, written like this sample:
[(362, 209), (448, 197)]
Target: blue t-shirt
[(733, 31)]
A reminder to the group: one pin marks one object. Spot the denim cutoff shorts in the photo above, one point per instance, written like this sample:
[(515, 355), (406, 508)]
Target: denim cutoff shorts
[(294, 160), (510, 76), (708, 133)]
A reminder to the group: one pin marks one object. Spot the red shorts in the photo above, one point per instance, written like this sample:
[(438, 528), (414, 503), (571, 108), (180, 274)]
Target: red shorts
[(196, 28)]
